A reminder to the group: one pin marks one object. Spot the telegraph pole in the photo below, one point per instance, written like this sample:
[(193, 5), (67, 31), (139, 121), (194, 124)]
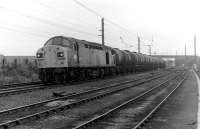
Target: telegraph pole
[(102, 30), (195, 54), (185, 50), (149, 49), (150, 45), (138, 44)]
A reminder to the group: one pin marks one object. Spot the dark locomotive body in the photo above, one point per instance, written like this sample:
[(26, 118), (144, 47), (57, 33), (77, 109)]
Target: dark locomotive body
[(64, 59)]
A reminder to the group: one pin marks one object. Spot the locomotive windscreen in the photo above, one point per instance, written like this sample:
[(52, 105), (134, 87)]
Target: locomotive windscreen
[(54, 41)]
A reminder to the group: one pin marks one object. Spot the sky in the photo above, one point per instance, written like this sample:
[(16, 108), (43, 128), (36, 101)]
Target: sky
[(25, 25)]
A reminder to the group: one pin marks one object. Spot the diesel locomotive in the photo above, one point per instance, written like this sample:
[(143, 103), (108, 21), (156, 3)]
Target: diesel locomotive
[(63, 58)]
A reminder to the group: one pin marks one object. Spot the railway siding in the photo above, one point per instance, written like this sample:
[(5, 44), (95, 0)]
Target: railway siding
[(60, 111), (59, 119), (130, 119), (16, 100), (180, 111)]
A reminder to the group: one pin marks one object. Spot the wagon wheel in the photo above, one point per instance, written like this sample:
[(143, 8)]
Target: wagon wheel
[(102, 73)]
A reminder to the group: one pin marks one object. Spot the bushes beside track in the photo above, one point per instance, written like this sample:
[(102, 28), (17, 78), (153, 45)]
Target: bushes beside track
[(14, 72)]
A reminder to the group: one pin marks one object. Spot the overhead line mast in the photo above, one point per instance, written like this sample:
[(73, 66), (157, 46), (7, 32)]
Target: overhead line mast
[(102, 30), (185, 50), (195, 54), (138, 44), (149, 49), (102, 19)]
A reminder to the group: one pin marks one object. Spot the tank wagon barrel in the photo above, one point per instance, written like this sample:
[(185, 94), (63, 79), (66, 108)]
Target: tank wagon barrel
[(63, 58)]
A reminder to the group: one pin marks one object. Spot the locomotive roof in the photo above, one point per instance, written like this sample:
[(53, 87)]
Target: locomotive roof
[(73, 40)]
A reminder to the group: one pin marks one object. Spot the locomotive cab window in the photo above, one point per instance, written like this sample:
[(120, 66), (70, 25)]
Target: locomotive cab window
[(86, 46), (54, 41), (57, 41), (66, 43)]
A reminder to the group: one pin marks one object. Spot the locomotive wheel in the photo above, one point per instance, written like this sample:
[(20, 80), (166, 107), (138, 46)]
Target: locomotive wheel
[(101, 73), (49, 78), (106, 72), (83, 76), (56, 78), (66, 77), (77, 75), (62, 78), (71, 76), (90, 74), (117, 71)]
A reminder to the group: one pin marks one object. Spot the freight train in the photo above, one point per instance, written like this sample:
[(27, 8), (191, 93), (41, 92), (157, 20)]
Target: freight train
[(62, 59)]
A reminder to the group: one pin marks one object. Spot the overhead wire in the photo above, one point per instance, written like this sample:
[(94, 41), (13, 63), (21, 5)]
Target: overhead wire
[(22, 31), (57, 11), (26, 28), (62, 26), (92, 11), (51, 23), (101, 16), (87, 8), (106, 19)]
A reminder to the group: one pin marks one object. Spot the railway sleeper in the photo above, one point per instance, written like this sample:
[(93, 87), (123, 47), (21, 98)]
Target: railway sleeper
[(73, 104)]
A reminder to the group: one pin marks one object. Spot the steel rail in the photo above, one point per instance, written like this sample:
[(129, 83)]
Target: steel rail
[(10, 91), (70, 96), (93, 120), (21, 84), (21, 87), (14, 90), (158, 106), (68, 106)]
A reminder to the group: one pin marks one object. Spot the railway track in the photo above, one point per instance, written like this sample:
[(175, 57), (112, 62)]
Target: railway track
[(32, 86), (134, 112), (19, 84), (25, 84), (81, 98), (21, 89)]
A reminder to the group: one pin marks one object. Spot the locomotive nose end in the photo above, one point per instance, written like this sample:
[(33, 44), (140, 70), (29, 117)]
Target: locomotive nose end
[(40, 53), (51, 60), (51, 56)]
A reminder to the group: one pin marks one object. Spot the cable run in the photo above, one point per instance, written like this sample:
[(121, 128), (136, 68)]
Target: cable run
[(101, 16)]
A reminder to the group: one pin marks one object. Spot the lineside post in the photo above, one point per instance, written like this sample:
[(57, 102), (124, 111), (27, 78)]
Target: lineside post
[(138, 44), (102, 30)]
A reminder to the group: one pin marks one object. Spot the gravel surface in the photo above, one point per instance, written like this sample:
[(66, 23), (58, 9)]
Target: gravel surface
[(72, 117), (180, 111), (131, 114), (21, 99)]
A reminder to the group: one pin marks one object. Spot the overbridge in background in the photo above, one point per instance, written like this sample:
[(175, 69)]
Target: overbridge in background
[(180, 60)]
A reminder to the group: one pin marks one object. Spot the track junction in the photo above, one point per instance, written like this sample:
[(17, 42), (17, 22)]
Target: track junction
[(98, 107)]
